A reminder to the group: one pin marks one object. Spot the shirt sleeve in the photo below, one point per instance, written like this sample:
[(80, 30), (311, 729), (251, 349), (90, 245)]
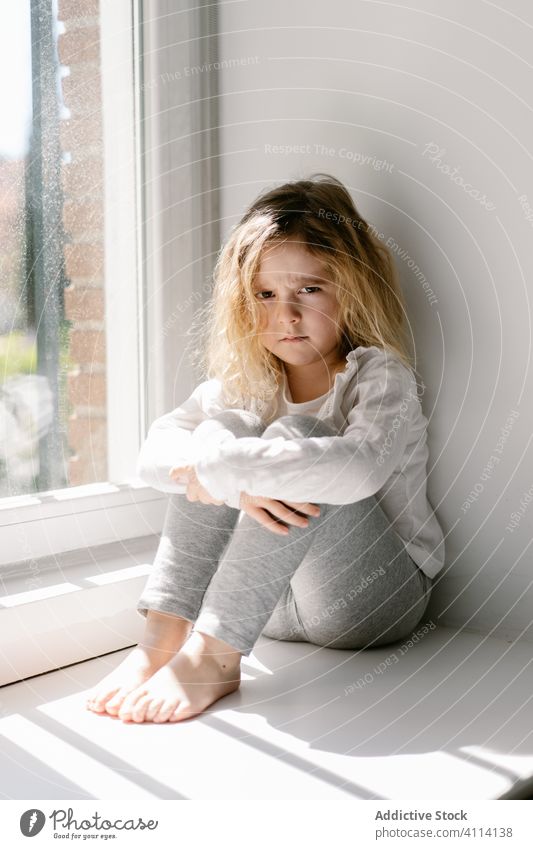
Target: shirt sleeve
[(324, 469), (170, 442)]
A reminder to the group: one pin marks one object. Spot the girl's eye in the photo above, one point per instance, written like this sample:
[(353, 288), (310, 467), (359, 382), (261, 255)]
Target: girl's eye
[(268, 292)]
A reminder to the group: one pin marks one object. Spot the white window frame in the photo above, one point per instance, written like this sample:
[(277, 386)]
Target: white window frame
[(66, 536), (58, 521)]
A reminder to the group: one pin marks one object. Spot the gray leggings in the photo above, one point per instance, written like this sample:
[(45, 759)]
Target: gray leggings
[(345, 581)]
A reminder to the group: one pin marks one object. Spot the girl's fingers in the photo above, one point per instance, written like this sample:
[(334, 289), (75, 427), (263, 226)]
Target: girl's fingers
[(182, 474), (261, 509), (280, 509), (178, 475), (306, 507), (267, 521), (271, 524), (290, 516)]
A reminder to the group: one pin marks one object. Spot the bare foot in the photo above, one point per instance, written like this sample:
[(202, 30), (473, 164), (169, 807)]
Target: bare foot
[(203, 671), (164, 635)]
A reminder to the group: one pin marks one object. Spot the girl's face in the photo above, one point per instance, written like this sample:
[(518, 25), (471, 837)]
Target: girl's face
[(296, 300)]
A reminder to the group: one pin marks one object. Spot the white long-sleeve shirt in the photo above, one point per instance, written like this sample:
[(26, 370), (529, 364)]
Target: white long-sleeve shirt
[(380, 450)]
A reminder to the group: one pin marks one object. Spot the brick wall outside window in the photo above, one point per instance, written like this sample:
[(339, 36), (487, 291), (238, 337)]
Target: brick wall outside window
[(82, 180)]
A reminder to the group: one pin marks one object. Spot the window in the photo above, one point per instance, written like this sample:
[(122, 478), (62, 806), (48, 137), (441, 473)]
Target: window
[(70, 348), (109, 218), (53, 374), (110, 213)]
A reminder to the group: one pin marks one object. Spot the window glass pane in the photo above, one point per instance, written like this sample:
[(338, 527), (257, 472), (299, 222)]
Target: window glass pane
[(53, 429)]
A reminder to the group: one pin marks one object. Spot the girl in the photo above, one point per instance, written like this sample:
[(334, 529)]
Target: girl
[(297, 470)]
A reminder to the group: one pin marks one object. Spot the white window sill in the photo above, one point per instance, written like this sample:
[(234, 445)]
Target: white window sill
[(64, 609), (450, 720), (51, 523)]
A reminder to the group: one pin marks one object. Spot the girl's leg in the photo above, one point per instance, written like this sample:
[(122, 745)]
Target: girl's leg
[(193, 538), (252, 584), (365, 605), (344, 581), (252, 574), (356, 588)]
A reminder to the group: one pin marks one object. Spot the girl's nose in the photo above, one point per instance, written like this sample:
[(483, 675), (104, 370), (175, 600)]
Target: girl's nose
[(288, 309)]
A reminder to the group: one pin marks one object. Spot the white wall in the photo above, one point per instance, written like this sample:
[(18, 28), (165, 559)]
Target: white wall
[(383, 80)]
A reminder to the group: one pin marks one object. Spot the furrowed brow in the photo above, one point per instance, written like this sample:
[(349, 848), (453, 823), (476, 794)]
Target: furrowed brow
[(313, 277), (299, 279)]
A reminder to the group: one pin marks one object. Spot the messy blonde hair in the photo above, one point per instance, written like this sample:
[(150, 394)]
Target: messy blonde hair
[(321, 214)]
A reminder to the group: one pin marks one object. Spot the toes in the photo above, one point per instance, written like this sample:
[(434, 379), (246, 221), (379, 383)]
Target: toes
[(129, 703), (153, 709), (183, 711), (138, 713), (98, 702), (165, 711), (113, 705)]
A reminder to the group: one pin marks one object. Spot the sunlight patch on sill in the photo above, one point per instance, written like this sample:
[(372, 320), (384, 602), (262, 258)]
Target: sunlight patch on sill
[(84, 771), (517, 765), (124, 574), (82, 491), (18, 501), (37, 595), (70, 493), (99, 488), (252, 661)]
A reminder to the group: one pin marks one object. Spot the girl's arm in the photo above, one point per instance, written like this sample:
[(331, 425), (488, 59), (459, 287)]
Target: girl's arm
[(170, 442), (324, 469)]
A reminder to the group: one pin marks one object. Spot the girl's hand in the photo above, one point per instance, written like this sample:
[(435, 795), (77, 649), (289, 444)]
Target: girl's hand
[(260, 509), (181, 474), (195, 490)]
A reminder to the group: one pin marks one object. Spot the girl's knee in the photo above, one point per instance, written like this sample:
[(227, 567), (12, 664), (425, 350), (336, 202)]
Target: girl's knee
[(299, 424), (239, 422)]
